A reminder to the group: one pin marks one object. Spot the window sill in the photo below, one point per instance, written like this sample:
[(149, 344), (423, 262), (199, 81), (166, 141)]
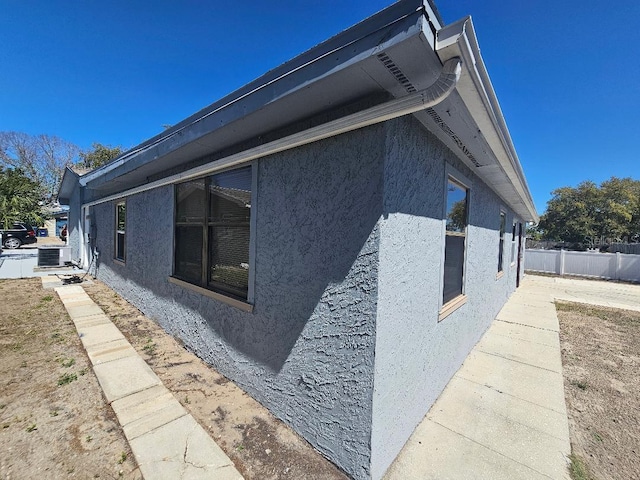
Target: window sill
[(244, 306), (451, 306), (499, 275), (117, 261)]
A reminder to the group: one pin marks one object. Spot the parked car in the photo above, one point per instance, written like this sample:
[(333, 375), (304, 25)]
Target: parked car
[(19, 234)]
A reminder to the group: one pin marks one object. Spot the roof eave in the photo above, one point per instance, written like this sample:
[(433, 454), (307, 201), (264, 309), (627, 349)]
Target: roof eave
[(243, 100), (69, 181), (478, 95)]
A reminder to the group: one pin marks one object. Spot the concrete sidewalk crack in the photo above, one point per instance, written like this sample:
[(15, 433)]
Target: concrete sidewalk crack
[(525, 325), (519, 361), (186, 451), (509, 394)]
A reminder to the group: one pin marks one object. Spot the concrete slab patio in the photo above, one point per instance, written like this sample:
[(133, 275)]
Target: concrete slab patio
[(165, 439)]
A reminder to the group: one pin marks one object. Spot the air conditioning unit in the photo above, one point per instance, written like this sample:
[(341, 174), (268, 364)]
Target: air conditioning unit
[(53, 256)]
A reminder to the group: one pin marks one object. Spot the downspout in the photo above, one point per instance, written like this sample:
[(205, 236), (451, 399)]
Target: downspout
[(414, 102)]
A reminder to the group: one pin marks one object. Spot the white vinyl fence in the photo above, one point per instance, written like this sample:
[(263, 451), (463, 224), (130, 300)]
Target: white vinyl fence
[(613, 266)]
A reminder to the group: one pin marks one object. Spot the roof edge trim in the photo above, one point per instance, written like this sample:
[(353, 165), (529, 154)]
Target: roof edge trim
[(436, 93), (459, 39)]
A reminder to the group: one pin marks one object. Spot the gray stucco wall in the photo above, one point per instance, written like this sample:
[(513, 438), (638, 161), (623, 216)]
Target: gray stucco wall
[(416, 355), (73, 222), (349, 243), (307, 350)]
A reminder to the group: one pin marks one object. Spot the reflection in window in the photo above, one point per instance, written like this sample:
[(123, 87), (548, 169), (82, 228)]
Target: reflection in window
[(121, 217), (455, 237), (212, 232)]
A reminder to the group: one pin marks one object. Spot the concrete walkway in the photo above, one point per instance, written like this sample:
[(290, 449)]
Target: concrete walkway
[(165, 439), (503, 414)]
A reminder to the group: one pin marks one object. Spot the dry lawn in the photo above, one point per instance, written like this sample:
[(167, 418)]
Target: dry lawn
[(601, 359), (54, 421)]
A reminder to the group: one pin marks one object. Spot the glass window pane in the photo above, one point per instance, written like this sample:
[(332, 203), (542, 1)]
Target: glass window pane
[(453, 267), (456, 208), (190, 202), (188, 254), (120, 217), (229, 258), (230, 196), (120, 246), (229, 225)]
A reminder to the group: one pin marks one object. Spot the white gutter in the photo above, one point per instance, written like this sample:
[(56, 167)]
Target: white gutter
[(476, 90), (434, 94)]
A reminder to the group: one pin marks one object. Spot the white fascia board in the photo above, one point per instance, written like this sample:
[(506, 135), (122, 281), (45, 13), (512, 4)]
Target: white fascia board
[(476, 91)]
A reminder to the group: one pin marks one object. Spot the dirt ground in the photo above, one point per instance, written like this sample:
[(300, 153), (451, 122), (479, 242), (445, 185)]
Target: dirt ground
[(601, 360), (54, 421), (259, 444)]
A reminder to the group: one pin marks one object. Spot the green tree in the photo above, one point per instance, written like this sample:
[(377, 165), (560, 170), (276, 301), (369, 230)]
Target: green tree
[(98, 155), (590, 214), (42, 158), (20, 198)]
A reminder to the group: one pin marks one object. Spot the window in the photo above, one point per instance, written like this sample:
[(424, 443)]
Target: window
[(121, 221), (455, 237), (513, 243), (503, 221), (212, 232)]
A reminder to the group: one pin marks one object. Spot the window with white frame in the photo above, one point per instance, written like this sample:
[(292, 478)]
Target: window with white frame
[(455, 239), (503, 222), (514, 239), (121, 222), (213, 230)]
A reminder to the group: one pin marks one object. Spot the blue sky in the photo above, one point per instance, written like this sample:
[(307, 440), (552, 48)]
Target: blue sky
[(567, 74)]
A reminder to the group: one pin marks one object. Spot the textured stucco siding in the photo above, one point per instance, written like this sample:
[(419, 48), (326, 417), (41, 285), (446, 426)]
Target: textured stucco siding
[(415, 354), (73, 222), (307, 350)]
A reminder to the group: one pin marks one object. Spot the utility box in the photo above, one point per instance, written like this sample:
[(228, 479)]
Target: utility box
[(53, 256)]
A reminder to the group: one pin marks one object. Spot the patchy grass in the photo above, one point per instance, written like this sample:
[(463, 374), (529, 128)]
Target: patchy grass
[(68, 363), (578, 469), (150, 347), (601, 358), (67, 378), (44, 427)]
